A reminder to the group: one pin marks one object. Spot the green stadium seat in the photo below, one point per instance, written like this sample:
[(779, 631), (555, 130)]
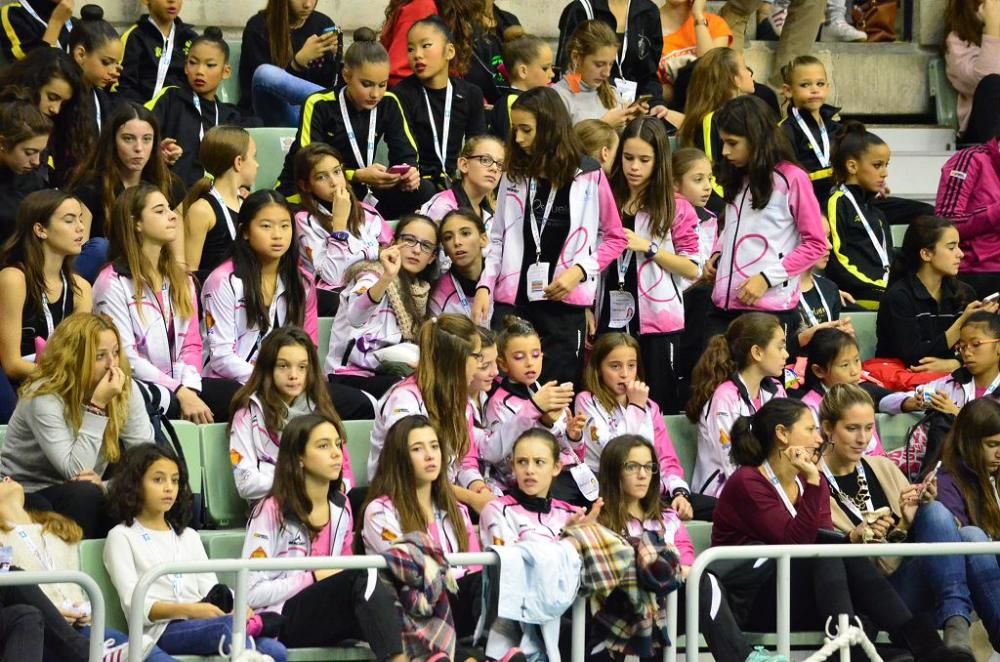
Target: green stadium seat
[(892, 429), (223, 505), (898, 232), (945, 96), (701, 535), (3, 434), (684, 435), (273, 144), (229, 91), (359, 434), (864, 331), (190, 438), (325, 325), (92, 563)]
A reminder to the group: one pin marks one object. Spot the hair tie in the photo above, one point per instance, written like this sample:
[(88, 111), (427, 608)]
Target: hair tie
[(434, 320)]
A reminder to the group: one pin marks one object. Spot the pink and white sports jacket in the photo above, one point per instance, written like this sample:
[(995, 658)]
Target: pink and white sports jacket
[(516, 517), (511, 412), (959, 386), (405, 399), (232, 343), (253, 449), (781, 241), (447, 298), (268, 537), (603, 426), (595, 236), (670, 526), (448, 201), (163, 348), (327, 259), (814, 399), (661, 298), (729, 401), (382, 527)]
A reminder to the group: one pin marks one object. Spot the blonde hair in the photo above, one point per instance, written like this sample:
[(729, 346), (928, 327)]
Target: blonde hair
[(58, 525), (839, 399), (66, 369), (713, 83), (590, 37), (595, 135)]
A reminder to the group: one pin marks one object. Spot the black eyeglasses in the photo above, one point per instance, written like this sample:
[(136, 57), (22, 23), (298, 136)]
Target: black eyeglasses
[(487, 161), (411, 241)]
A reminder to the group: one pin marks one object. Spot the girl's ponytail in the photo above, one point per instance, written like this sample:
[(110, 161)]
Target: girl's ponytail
[(745, 448), (715, 366), (752, 438)]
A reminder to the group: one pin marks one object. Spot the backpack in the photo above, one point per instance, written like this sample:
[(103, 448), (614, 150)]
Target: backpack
[(924, 443)]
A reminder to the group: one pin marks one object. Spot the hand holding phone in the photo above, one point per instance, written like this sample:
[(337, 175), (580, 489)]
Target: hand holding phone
[(993, 297), (400, 169), (931, 475)]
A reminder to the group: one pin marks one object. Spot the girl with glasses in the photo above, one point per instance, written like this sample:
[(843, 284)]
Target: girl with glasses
[(480, 164), (382, 305), (950, 587)]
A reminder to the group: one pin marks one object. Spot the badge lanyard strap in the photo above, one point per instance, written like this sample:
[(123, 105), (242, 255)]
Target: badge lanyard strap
[(49, 322), (621, 56), (462, 299), (808, 309), (536, 230), (176, 579), (225, 210), (97, 109), (165, 57), (372, 116), (880, 247), (823, 156), (441, 147), (33, 14), (201, 123), (624, 261), (842, 498), (776, 484)]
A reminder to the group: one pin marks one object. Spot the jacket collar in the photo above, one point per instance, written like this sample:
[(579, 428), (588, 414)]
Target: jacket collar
[(768, 385), (948, 288), (541, 505), (146, 24), (862, 196), (519, 390)]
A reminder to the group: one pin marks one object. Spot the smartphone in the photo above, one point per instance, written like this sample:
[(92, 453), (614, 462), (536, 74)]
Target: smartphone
[(645, 98), (400, 169), (931, 475), (332, 28), (993, 297)]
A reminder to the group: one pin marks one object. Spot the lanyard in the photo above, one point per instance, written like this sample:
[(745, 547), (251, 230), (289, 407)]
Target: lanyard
[(49, 322), (842, 498), (880, 248), (97, 110), (823, 156), (167, 315), (201, 118), (993, 484), (536, 230), (807, 309), (176, 579), (462, 299), (621, 56), (441, 147), (165, 57), (33, 14), (372, 116), (225, 210), (43, 557), (776, 484), (624, 260), (970, 389)]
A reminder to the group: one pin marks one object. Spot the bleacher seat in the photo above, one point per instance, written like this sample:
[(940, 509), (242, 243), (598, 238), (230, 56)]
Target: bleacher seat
[(684, 435), (701, 535), (864, 332), (273, 144), (898, 232), (324, 326), (229, 90), (190, 437), (359, 435), (892, 429), (223, 505), (945, 96), (92, 563)]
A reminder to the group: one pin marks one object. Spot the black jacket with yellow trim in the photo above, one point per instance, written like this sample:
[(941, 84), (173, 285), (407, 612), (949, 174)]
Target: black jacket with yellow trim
[(854, 263), (822, 178), (323, 122), (22, 33), (142, 45)]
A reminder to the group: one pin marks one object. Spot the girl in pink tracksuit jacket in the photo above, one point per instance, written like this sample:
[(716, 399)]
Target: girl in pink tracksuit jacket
[(736, 375), (615, 402), (450, 356), (259, 289), (334, 230), (463, 240), (641, 292), (521, 403), (556, 229), (773, 231), (286, 382), (154, 306), (320, 607)]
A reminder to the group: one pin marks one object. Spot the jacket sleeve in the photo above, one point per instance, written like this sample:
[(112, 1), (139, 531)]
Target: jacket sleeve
[(569, 20), (960, 177), (314, 118), (21, 34), (468, 466), (671, 471), (137, 429), (966, 64), (950, 496), (310, 319), (612, 242), (491, 266), (684, 232), (251, 484), (402, 146), (682, 541), (381, 527), (254, 52), (130, 79), (714, 450), (111, 299), (119, 561), (219, 304), (69, 453), (494, 529), (190, 357), (805, 212), (360, 306), (270, 587), (504, 425), (330, 257)]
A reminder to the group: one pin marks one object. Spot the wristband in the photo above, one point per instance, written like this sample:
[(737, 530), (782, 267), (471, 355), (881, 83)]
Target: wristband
[(94, 409), (681, 491)]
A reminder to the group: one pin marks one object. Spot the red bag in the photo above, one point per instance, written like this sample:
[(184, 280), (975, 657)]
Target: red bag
[(894, 374)]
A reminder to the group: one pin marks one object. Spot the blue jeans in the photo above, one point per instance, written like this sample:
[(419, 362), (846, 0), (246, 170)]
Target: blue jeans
[(93, 256), (155, 655), (202, 637), (984, 582), (278, 95)]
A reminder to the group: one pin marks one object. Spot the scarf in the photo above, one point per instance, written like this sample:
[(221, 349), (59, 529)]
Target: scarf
[(532, 504), (419, 293)]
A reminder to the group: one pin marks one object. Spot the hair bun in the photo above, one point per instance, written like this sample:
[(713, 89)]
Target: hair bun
[(513, 33), (213, 32), (91, 13), (365, 34)]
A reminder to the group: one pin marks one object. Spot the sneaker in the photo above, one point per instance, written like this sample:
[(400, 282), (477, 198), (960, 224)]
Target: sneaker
[(842, 31), (761, 654), (115, 653)]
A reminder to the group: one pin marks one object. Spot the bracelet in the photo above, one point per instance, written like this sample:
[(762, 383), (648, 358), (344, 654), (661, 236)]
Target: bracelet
[(94, 409)]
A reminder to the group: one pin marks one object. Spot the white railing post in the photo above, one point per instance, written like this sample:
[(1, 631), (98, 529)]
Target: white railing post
[(579, 651), (240, 612), (670, 652), (784, 611), (843, 629)]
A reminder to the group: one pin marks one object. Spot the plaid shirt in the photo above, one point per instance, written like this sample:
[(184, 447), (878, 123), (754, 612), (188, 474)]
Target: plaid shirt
[(420, 574)]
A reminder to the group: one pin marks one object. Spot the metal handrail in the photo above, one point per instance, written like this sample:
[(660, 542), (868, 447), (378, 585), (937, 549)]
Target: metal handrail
[(93, 591), (784, 554), (242, 567)]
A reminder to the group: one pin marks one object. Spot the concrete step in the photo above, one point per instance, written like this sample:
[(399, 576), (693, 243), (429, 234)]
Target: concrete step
[(916, 174), (915, 138)]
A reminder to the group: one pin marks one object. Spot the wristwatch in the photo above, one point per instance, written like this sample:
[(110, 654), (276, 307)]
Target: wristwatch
[(654, 248), (340, 235), (701, 21)]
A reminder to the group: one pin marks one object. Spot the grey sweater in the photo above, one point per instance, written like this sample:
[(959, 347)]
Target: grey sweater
[(582, 105), (41, 450)]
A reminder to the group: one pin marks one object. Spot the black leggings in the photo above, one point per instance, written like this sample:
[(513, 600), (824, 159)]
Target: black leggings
[(660, 362), (30, 619), (339, 607), (984, 120), (81, 501)]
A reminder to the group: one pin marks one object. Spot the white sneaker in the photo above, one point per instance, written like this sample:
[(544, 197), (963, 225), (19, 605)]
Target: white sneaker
[(113, 653), (842, 31)]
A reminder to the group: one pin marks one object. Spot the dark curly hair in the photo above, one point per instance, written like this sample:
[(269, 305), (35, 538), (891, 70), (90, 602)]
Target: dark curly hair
[(125, 491)]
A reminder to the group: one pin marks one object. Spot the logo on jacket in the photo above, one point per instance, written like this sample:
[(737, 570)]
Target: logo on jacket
[(235, 457), (388, 535), (258, 553)]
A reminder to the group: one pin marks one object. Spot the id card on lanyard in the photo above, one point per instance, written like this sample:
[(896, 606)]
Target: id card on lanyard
[(201, 118), (538, 273), (880, 247), (627, 89), (43, 557), (621, 303), (460, 293), (176, 579), (822, 153), (26, 6), (441, 146), (369, 157), (166, 56)]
